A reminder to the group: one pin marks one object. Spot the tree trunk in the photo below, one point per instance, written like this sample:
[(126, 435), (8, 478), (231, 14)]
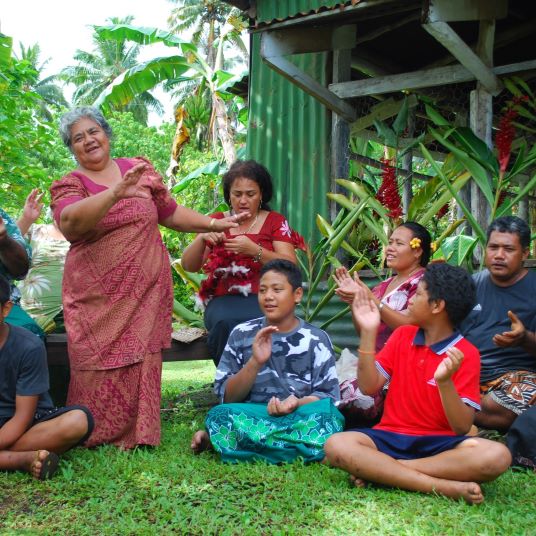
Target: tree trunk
[(223, 129)]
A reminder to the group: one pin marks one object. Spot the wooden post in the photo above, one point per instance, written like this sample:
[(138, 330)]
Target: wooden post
[(481, 117), (340, 128), (523, 212), (407, 164)]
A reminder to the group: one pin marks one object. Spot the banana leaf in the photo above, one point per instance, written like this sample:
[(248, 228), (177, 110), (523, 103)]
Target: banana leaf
[(467, 212), (435, 116), (386, 133), (401, 121), (190, 317), (478, 172), (193, 280), (363, 194), (458, 249), (142, 36), (140, 78), (507, 207)]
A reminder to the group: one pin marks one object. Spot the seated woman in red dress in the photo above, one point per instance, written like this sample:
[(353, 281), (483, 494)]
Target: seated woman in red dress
[(233, 259)]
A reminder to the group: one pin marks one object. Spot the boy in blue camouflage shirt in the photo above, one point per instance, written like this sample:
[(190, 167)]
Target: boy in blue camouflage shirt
[(276, 381)]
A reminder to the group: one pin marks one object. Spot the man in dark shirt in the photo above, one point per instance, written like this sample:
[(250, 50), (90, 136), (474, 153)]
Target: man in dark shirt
[(32, 431), (502, 325)]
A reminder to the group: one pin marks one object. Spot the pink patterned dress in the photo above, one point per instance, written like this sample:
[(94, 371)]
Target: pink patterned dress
[(117, 298)]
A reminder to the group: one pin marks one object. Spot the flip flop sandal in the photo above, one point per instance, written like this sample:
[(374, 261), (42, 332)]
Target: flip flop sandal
[(48, 466)]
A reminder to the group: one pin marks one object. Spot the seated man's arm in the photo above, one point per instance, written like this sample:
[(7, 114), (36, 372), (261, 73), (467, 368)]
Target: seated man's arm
[(517, 336), (12, 431), (12, 254)]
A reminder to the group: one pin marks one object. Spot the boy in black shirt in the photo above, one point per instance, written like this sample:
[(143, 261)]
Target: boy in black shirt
[(32, 431)]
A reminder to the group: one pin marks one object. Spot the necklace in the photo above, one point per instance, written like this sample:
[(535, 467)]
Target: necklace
[(397, 280), (250, 227)]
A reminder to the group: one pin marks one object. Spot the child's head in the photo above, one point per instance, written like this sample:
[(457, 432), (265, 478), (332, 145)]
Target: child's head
[(287, 268), (5, 292), (280, 290), (451, 285)]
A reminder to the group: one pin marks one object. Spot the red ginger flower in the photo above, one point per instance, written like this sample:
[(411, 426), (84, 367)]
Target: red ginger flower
[(504, 138), (388, 194)]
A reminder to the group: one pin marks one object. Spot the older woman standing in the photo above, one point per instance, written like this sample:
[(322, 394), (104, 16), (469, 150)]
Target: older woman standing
[(117, 289), (233, 259)]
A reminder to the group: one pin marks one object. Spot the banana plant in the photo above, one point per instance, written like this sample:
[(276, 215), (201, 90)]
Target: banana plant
[(189, 66)]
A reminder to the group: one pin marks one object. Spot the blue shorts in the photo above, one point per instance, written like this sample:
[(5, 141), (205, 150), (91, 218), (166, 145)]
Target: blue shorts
[(47, 415), (410, 447)]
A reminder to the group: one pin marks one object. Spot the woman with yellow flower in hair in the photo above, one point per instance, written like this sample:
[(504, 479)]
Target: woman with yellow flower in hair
[(407, 254)]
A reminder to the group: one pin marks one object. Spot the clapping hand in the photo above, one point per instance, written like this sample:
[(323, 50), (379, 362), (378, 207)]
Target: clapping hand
[(282, 407), (262, 344), (130, 185), (33, 206), (365, 312), (346, 286), (514, 337), (449, 365)]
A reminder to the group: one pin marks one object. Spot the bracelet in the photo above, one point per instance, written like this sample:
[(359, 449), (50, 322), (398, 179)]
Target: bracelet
[(380, 306), (212, 222), (257, 257), (359, 351)]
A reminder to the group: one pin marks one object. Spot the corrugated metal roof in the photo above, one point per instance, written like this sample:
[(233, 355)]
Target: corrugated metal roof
[(289, 132), (270, 11)]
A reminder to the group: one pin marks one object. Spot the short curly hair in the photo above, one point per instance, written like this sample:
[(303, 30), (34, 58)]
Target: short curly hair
[(5, 290), (285, 267), (453, 285), (71, 117), (513, 225), (249, 169)]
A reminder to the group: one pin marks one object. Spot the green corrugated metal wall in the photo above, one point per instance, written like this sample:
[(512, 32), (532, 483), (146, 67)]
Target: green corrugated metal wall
[(268, 10), (289, 132)]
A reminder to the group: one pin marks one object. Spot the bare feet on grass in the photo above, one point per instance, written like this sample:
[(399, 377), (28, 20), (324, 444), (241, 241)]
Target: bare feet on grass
[(200, 442), (41, 464), (470, 492), (357, 482)]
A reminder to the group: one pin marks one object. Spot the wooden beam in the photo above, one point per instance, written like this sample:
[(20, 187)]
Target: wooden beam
[(463, 10), (378, 32), (419, 79), (443, 33), (271, 54), (361, 11)]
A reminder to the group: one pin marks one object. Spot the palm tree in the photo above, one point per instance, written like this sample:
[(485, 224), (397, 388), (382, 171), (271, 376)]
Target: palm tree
[(189, 66), (96, 70), (50, 93), (207, 19)]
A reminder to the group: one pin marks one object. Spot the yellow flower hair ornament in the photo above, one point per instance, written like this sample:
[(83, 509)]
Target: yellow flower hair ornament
[(433, 247), (415, 243)]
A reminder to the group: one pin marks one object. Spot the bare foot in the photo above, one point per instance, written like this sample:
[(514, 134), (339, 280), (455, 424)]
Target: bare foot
[(357, 482), (200, 442), (470, 492), (43, 464)]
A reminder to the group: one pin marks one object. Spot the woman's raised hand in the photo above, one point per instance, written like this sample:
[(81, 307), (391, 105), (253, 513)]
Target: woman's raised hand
[(33, 206), (130, 185), (346, 286), (229, 221)]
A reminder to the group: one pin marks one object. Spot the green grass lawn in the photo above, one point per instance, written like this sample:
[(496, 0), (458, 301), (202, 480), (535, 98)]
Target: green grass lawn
[(169, 491)]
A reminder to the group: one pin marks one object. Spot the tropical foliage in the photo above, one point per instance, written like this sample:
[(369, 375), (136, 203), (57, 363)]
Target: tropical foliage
[(97, 69), (189, 66)]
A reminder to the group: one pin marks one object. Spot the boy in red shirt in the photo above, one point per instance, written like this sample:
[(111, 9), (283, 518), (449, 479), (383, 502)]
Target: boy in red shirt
[(433, 373)]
